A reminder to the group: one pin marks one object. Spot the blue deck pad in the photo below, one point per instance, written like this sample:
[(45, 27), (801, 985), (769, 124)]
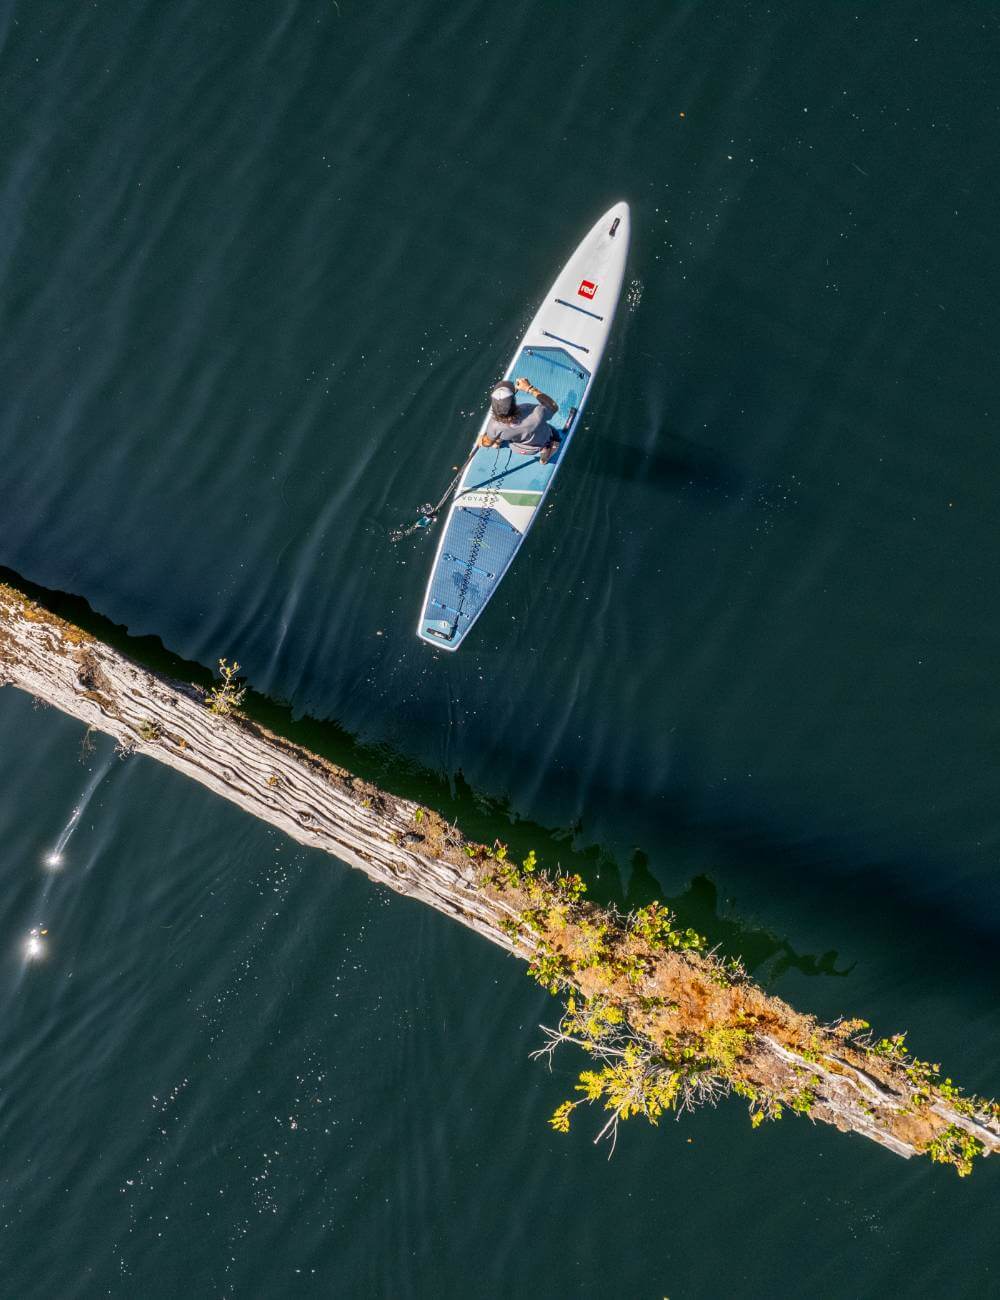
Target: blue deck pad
[(479, 542), (478, 545), (562, 377)]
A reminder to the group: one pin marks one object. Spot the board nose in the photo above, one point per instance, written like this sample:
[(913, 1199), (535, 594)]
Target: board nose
[(617, 219)]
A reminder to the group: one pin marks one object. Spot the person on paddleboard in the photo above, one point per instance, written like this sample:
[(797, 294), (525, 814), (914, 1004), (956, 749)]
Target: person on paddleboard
[(525, 429)]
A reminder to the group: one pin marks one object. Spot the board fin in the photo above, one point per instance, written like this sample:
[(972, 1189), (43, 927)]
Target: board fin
[(446, 631)]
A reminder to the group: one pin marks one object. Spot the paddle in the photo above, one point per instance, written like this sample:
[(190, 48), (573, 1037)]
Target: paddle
[(429, 513)]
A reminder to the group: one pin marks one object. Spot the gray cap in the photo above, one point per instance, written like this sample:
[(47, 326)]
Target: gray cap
[(502, 398)]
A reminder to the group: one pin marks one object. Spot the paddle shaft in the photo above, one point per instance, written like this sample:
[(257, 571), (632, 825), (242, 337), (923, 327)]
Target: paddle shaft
[(428, 515), (454, 482)]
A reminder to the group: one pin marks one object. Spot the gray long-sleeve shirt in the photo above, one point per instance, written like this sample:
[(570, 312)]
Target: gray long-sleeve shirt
[(530, 428)]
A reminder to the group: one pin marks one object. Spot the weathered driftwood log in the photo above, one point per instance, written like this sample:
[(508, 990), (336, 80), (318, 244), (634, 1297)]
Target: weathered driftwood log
[(669, 1024)]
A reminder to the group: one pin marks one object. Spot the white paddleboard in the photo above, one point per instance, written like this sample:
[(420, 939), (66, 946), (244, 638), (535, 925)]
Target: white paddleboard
[(500, 495)]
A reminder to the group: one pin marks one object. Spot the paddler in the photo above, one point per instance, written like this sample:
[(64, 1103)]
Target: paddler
[(525, 429)]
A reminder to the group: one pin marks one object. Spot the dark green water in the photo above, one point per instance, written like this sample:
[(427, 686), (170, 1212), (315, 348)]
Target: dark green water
[(259, 265)]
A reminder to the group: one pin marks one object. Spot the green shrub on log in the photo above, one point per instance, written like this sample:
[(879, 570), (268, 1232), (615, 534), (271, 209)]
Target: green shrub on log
[(652, 1055)]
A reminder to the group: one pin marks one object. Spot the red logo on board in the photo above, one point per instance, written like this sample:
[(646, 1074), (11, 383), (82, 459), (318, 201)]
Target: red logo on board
[(587, 289)]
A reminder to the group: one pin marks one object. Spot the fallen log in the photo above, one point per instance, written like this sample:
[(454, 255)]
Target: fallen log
[(669, 1025)]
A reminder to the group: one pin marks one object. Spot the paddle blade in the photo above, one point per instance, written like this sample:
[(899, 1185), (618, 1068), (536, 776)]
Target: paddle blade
[(424, 520)]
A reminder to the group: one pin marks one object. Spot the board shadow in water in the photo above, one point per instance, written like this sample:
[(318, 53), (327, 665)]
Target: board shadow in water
[(675, 465)]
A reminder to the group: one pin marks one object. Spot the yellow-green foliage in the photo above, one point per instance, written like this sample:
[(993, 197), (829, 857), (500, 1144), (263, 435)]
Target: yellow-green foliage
[(893, 1048), (722, 1045), (926, 1078), (591, 944), (955, 1147), (571, 887), (504, 872), (632, 965), (655, 924), (802, 1101), (550, 969), (591, 1019), (226, 697), (628, 1086)]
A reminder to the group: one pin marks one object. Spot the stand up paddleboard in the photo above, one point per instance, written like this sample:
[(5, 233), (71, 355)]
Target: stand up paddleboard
[(501, 492)]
